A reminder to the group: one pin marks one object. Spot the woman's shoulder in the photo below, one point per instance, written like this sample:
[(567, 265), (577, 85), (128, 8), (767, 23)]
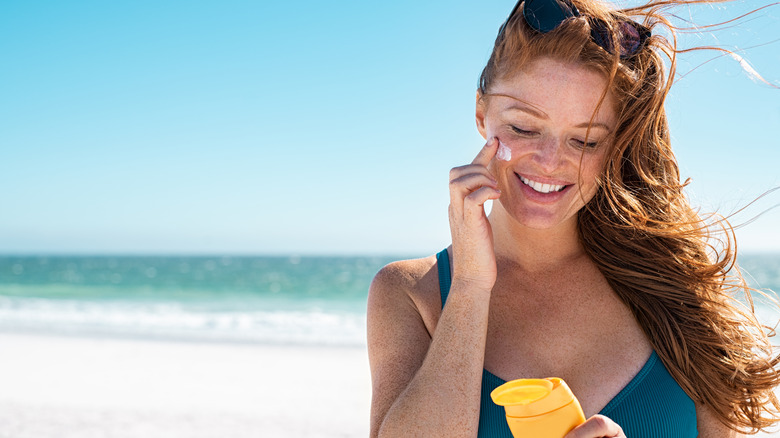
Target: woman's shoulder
[(413, 276), (412, 281)]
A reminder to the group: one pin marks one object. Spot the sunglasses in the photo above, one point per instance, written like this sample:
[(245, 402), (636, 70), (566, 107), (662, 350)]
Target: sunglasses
[(546, 15)]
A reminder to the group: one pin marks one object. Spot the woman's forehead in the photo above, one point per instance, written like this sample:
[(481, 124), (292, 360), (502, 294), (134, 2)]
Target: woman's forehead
[(554, 89)]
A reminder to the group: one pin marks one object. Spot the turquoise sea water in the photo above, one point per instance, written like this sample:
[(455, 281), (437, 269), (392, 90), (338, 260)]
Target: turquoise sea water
[(311, 300), (280, 300)]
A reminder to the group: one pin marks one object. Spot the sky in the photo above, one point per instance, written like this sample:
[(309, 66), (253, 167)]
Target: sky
[(303, 127)]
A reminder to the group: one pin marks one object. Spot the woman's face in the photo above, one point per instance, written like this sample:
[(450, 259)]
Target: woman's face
[(545, 166)]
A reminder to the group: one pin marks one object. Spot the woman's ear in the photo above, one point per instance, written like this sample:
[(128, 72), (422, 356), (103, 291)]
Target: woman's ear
[(480, 115)]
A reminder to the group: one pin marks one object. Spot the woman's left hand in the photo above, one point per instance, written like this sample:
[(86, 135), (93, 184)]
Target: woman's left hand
[(597, 426)]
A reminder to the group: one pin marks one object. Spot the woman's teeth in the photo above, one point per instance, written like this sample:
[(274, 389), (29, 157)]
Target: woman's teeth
[(542, 188)]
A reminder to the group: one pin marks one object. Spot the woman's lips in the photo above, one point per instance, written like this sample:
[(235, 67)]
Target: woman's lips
[(549, 191)]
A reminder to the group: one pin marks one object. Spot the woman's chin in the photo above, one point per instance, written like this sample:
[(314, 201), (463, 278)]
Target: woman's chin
[(540, 218)]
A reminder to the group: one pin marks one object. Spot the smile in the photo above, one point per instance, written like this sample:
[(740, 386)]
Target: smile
[(542, 188)]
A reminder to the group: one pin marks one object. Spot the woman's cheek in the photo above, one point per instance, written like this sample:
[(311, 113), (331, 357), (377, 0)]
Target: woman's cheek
[(503, 153)]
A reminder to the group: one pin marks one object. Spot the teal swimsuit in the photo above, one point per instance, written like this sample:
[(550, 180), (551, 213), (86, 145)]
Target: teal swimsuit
[(651, 405)]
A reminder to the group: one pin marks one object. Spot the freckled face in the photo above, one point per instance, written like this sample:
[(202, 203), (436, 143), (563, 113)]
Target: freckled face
[(542, 115)]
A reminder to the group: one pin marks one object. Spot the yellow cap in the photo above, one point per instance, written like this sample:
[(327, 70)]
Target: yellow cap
[(532, 397)]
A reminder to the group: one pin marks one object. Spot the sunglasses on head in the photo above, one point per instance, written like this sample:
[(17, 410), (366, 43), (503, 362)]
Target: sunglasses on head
[(546, 15)]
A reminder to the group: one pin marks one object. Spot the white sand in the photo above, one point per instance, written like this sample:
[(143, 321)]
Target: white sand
[(67, 387), (54, 386)]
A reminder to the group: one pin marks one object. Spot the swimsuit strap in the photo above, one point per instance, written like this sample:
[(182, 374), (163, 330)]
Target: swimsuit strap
[(445, 278)]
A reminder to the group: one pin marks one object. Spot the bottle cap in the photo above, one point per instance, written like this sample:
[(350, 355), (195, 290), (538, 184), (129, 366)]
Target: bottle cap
[(532, 397)]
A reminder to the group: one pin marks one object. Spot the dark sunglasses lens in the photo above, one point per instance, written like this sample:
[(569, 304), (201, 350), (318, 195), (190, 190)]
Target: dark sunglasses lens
[(632, 36), (600, 34), (546, 15), (630, 39)]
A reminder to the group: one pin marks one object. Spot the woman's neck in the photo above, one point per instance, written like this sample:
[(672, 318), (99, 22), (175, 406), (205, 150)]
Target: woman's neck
[(531, 248)]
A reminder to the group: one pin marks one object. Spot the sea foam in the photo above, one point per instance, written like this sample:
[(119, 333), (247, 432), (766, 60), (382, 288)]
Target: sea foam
[(175, 321)]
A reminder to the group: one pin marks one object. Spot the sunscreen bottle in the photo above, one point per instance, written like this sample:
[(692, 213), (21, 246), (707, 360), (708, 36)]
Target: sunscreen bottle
[(540, 408)]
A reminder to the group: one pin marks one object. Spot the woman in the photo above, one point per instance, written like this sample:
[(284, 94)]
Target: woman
[(591, 266)]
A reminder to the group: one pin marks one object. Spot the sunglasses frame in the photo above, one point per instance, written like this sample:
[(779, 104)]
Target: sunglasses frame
[(546, 15)]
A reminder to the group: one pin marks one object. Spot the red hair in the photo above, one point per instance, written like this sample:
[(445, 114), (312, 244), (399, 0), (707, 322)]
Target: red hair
[(656, 252)]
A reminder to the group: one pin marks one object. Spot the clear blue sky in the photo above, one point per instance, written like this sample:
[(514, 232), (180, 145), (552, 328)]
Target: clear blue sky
[(304, 127)]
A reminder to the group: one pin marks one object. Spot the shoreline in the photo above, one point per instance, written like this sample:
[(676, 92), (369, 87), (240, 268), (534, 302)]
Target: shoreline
[(186, 338), (119, 387)]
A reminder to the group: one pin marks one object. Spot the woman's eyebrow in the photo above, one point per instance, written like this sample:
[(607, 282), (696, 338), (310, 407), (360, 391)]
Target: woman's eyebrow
[(530, 110), (527, 107), (594, 125), (523, 105)]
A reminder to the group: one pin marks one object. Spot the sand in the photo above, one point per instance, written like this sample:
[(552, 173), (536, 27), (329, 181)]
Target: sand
[(64, 386), (58, 386)]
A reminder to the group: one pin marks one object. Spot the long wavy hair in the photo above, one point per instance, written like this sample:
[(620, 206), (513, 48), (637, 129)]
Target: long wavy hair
[(675, 270)]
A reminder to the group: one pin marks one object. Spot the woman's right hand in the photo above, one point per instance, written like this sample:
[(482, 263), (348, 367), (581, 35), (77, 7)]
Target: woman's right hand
[(474, 261), (597, 426)]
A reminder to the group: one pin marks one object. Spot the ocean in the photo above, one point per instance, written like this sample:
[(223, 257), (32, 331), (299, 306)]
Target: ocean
[(275, 300), (270, 300)]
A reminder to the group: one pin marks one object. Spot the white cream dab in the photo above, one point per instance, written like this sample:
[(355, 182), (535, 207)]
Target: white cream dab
[(503, 153)]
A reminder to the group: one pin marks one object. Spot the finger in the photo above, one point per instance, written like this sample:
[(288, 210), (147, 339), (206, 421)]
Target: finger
[(463, 186), (487, 152), (597, 426), (468, 183), (458, 172), (473, 204)]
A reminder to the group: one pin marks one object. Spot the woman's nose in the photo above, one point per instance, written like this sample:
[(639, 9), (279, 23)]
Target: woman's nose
[(548, 154)]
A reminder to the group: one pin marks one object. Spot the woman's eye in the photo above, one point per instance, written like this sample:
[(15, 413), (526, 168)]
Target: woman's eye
[(522, 131), (588, 145)]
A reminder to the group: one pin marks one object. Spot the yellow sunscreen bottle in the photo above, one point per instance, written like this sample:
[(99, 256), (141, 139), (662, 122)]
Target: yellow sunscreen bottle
[(540, 408)]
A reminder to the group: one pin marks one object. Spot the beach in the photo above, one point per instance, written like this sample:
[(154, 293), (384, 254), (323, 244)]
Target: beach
[(66, 386), (197, 346), (184, 346)]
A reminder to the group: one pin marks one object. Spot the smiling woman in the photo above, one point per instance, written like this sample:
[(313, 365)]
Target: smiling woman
[(592, 267)]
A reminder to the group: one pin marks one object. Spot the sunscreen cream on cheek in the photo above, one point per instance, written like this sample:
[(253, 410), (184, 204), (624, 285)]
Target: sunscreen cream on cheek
[(503, 153)]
